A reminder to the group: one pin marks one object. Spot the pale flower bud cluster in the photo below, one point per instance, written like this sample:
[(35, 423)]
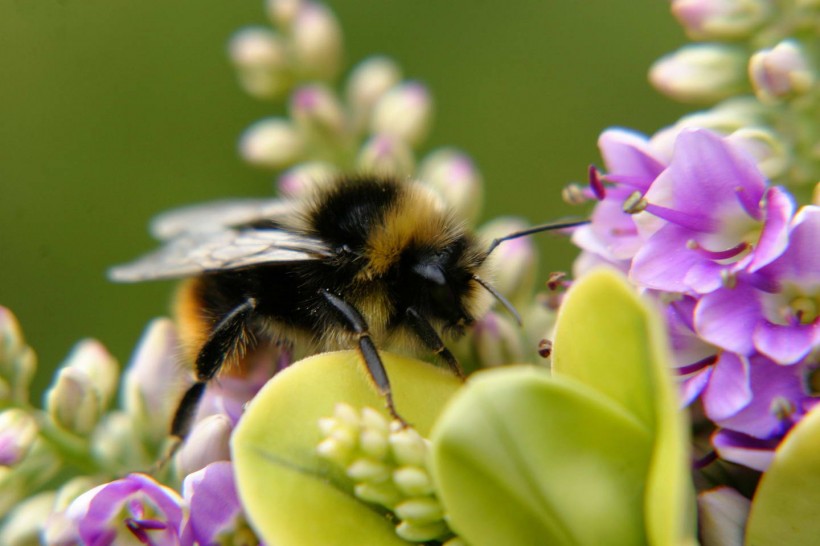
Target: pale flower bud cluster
[(754, 50), (388, 463), (306, 45), (374, 123)]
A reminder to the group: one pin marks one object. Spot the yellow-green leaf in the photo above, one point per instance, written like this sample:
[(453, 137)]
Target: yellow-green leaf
[(293, 497), (520, 457), (786, 506), (611, 340)]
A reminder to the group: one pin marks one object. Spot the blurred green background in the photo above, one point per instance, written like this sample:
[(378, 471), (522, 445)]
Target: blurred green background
[(113, 110)]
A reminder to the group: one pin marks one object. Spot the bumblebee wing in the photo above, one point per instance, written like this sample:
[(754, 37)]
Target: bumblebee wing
[(216, 216), (195, 253)]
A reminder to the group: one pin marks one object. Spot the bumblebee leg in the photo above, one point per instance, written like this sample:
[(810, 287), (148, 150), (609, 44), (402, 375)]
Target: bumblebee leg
[(228, 337), (427, 334), (352, 320)]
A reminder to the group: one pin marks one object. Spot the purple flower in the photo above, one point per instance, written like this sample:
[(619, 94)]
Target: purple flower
[(709, 215), (775, 310), (631, 167), (133, 510), (214, 504)]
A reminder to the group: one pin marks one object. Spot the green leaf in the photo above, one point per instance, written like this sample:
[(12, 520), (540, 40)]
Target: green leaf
[(786, 505), (594, 454), (520, 457), (610, 339), (292, 497)]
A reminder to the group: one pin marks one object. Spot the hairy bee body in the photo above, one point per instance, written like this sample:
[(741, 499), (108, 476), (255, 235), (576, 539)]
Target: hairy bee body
[(359, 262)]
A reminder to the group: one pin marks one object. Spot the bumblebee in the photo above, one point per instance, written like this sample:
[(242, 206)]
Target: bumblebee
[(357, 262)]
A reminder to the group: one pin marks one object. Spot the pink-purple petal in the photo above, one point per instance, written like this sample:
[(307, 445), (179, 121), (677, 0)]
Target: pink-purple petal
[(741, 449), (627, 152), (663, 261), (727, 318), (775, 235), (728, 390), (693, 386), (214, 503), (785, 344)]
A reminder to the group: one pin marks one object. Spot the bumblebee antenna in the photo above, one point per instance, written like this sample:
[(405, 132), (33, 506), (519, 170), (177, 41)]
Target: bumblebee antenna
[(497, 295), (536, 229)]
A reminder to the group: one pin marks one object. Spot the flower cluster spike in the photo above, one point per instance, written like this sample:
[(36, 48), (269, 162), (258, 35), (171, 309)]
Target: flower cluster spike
[(388, 463), (756, 62)]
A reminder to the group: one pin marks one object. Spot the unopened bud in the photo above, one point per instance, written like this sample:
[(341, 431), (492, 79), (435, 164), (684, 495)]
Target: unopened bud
[(154, 379), (368, 470), (318, 112), (454, 175), (73, 403), (24, 525), (92, 359), (385, 155), (282, 13), (405, 112), (370, 80), (409, 448), (271, 143), (305, 177), (261, 60), (421, 533), (207, 443), (732, 19), (700, 73), (515, 261), (781, 73), (316, 41), (17, 360), (765, 147), (18, 430), (413, 481), (497, 341)]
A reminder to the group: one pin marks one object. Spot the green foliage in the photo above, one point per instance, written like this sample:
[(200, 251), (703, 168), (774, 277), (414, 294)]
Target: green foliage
[(291, 495), (595, 454)]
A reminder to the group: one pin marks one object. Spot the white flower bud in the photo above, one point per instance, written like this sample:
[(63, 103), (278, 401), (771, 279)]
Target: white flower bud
[(384, 493), (305, 177), (271, 143), (24, 525), (421, 533), (18, 430), (498, 341), (207, 443), (420, 510), (93, 359), (154, 379), (413, 481), (515, 262), (368, 82), (261, 60), (716, 19), (385, 155), (781, 73), (700, 73), (17, 361), (454, 175), (316, 41), (405, 112), (409, 448), (318, 112), (282, 13), (769, 152), (368, 470), (73, 402)]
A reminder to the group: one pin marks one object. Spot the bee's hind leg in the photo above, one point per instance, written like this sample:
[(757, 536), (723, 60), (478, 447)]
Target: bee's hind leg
[(228, 338), (352, 320)]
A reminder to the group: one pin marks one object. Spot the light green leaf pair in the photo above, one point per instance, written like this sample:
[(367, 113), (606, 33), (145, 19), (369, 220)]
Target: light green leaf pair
[(292, 496), (594, 454)]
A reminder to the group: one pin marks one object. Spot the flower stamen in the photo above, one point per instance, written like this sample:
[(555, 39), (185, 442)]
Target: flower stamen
[(717, 255)]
